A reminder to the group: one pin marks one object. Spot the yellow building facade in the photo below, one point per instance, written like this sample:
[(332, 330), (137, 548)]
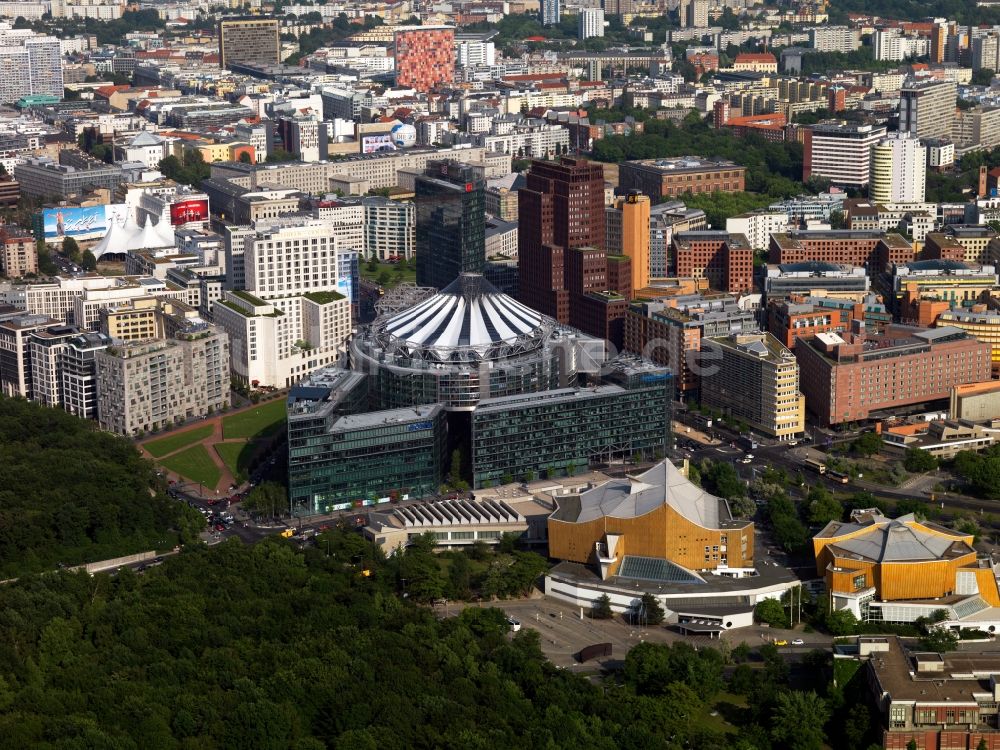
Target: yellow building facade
[(657, 515)]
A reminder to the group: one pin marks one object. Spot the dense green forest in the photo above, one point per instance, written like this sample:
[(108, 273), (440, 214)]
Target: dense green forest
[(71, 494), (272, 648), (774, 169)]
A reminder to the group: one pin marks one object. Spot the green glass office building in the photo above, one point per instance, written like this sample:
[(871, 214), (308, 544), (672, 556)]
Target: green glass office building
[(564, 431), (340, 456)]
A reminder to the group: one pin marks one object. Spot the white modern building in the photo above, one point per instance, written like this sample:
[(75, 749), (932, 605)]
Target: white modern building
[(295, 312), (841, 152), (898, 170), (390, 228), (834, 39), (590, 23), (758, 226), (29, 64)]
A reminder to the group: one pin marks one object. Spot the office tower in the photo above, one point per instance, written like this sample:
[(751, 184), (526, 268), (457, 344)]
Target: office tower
[(590, 23), (561, 207), (425, 57), (451, 223), (927, 109), (549, 11), (249, 40), (628, 234), (840, 152), (754, 378), (939, 40), (898, 170)]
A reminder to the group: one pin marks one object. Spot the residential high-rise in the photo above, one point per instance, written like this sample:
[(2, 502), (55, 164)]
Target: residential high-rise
[(249, 40), (628, 233), (927, 109), (693, 13), (840, 152), (754, 378), (29, 64), (898, 170), (425, 57), (561, 207), (549, 12), (390, 228), (590, 23), (451, 223), (939, 40), (149, 385)]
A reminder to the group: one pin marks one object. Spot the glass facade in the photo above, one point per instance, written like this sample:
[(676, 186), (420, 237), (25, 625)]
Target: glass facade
[(563, 431), (342, 461), (451, 224)]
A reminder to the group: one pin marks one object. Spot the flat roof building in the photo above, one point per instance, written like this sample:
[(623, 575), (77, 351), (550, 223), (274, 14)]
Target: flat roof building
[(754, 379), (848, 377), (664, 178), (249, 40), (784, 280)]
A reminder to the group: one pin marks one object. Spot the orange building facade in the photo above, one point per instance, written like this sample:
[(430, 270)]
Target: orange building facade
[(658, 514)]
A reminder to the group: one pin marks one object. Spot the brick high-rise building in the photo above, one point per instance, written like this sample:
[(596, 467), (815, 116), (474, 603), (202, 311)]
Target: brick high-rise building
[(425, 57), (725, 259), (561, 207)]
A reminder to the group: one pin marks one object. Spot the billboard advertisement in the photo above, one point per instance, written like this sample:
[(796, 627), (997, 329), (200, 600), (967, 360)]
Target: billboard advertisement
[(83, 223), (188, 211), (371, 144)]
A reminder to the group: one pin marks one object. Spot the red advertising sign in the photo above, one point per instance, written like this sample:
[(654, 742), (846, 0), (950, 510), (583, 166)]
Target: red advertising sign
[(187, 211)]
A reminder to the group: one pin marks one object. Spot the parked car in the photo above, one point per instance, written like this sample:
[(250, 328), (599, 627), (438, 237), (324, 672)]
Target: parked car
[(781, 642), (798, 642), (515, 624)]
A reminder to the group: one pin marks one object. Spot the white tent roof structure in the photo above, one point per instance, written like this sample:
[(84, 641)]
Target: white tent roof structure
[(129, 236)]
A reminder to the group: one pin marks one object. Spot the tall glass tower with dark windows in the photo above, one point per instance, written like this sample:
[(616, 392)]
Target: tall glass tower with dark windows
[(451, 223)]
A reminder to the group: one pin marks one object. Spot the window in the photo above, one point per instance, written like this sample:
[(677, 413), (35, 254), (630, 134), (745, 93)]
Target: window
[(859, 582)]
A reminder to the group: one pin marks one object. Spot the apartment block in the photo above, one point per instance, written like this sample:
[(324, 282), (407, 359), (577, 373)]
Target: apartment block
[(873, 250), (249, 40), (758, 226), (15, 352), (150, 385), (850, 376), (754, 378), (927, 109), (841, 152)]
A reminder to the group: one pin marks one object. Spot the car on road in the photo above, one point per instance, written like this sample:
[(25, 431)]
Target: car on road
[(220, 527), (515, 624), (798, 642), (781, 642)]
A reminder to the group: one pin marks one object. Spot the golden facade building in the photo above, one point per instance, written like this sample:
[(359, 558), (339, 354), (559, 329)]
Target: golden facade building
[(627, 233), (657, 519), (896, 570)]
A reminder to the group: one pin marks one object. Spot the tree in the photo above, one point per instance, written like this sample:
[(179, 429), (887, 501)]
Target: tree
[(982, 744), (798, 720), (867, 444), (917, 460), (70, 248), (982, 77), (743, 507), (455, 472), (245, 157), (838, 220), (649, 611), (772, 612), (841, 622), (939, 640), (89, 261), (459, 577), (267, 498), (601, 609), (911, 745), (723, 480), (823, 506)]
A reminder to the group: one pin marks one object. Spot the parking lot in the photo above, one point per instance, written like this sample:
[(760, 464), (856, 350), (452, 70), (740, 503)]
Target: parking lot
[(563, 632)]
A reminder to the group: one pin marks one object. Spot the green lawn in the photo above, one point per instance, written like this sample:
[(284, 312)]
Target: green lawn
[(236, 457), (263, 419), (194, 464), (178, 440), (409, 272)]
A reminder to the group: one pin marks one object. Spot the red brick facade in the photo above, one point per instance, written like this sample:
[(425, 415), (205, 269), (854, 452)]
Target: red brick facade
[(425, 57), (726, 260)]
